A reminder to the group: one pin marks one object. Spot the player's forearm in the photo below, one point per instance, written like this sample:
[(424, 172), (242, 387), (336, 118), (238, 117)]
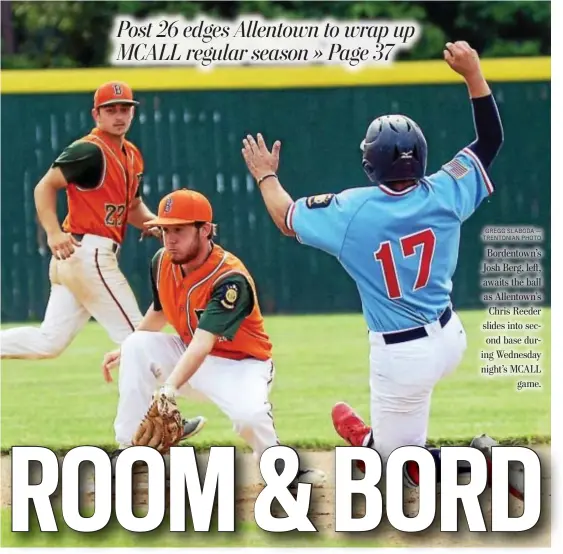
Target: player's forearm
[(191, 360), (46, 205), (139, 214), (277, 202), (477, 85), (152, 321), (488, 129)]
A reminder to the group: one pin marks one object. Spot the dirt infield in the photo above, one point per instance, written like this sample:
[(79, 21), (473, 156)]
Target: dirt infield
[(322, 508)]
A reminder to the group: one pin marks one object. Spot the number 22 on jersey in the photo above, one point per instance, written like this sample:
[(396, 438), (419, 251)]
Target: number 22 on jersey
[(114, 215), (426, 240)]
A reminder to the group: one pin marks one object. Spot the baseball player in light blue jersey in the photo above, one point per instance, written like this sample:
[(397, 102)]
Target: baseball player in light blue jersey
[(399, 241)]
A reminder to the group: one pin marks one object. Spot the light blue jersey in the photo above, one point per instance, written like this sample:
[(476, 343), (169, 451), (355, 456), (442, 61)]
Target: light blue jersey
[(401, 248)]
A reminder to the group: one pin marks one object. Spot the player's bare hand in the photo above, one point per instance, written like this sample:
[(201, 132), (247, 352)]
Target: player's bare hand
[(259, 160), (462, 58), (111, 361), (62, 244), (155, 232)]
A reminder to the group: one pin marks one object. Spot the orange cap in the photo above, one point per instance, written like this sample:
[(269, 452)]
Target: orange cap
[(114, 92), (182, 207)]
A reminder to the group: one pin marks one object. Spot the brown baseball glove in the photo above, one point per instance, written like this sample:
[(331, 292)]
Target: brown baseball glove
[(162, 426)]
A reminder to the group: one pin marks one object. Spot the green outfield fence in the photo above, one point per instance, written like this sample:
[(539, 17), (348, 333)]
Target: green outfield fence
[(189, 128)]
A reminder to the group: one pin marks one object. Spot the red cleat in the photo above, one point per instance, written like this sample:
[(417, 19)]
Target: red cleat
[(351, 427)]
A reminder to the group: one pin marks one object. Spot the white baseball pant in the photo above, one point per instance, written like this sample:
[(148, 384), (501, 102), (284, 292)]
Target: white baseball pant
[(89, 283), (402, 378), (239, 388)]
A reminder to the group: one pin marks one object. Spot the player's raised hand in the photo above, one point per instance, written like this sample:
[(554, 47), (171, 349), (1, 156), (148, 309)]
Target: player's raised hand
[(462, 58), (111, 361), (259, 160), (62, 244)]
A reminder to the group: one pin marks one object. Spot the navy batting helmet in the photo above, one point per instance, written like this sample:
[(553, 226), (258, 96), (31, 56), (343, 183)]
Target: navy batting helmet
[(394, 150)]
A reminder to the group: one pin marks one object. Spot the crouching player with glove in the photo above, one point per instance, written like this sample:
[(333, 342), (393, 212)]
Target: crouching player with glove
[(221, 351)]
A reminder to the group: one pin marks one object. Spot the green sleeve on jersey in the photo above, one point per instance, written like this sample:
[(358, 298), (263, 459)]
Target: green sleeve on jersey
[(154, 270), (82, 164), (231, 302)]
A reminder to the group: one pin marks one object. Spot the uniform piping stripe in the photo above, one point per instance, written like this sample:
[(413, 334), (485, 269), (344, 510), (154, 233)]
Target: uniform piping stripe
[(174, 269), (231, 272), (111, 293), (270, 414), (289, 217), (113, 154), (475, 158), (197, 285), (159, 267), (271, 377)]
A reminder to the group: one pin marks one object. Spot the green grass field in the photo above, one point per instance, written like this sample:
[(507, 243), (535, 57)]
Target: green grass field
[(320, 360)]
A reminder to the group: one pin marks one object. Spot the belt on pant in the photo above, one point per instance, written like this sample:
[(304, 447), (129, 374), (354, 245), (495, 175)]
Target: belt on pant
[(417, 332), (79, 237)]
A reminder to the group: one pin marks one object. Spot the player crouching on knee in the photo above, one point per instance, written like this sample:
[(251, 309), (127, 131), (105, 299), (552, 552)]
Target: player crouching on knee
[(220, 352)]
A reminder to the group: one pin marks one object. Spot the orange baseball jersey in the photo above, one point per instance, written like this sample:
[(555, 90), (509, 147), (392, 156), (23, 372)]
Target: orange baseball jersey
[(184, 299), (102, 210)]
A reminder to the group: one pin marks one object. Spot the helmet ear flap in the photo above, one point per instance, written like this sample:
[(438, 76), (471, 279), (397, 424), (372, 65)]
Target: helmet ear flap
[(369, 170)]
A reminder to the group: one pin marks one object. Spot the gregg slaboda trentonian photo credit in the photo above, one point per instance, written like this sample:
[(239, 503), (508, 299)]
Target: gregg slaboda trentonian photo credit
[(277, 275)]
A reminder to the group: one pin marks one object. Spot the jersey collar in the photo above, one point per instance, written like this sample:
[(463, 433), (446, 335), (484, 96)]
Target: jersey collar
[(392, 192), (107, 140), (215, 258)]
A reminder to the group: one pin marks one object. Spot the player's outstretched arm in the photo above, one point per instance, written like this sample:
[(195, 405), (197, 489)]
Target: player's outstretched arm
[(263, 166), (488, 126)]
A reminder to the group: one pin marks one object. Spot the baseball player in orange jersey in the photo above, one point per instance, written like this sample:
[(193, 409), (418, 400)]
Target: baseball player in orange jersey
[(101, 174), (221, 351)]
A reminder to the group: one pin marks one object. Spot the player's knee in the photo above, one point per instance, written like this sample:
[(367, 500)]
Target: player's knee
[(52, 345), (134, 344), (135, 361)]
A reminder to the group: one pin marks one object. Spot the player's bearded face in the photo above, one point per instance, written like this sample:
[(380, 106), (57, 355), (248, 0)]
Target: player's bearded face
[(115, 119), (184, 243)]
